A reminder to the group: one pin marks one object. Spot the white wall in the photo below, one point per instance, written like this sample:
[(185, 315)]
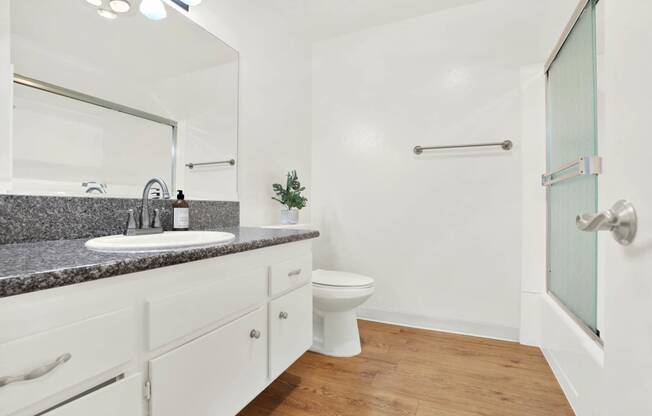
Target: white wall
[(6, 76), (441, 232), (274, 120), (533, 164)]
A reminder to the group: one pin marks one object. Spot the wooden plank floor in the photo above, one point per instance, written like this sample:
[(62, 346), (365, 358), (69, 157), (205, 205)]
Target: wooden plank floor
[(404, 371)]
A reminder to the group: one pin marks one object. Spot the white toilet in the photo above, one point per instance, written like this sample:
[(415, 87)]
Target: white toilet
[(336, 295)]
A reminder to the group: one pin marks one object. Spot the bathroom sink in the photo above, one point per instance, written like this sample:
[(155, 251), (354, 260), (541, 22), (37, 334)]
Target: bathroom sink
[(169, 240)]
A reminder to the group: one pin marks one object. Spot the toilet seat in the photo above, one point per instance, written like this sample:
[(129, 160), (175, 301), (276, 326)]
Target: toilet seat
[(334, 280)]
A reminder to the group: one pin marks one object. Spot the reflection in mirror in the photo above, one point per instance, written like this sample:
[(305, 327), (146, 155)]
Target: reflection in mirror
[(102, 105), (98, 143)]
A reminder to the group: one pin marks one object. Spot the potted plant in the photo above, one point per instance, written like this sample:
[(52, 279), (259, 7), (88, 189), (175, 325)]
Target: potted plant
[(291, 197)]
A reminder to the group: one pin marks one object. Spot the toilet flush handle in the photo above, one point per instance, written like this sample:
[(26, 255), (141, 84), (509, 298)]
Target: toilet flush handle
[(283, 315)]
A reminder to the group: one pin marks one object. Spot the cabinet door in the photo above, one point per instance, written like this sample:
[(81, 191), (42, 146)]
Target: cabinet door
[(214, 375), (124, 398), (290, 327)]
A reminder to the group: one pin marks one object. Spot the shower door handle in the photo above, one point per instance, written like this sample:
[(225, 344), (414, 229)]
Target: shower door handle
[(621, 220)]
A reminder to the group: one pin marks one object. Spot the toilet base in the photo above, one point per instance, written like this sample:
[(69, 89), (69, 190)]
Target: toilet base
[(336, 333)]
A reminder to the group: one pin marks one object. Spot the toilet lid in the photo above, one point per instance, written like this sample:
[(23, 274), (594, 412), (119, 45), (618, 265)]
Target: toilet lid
[(340, 279)]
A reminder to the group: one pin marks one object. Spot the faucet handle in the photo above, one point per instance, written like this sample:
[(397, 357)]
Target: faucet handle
[(131, 221), (156, 223)]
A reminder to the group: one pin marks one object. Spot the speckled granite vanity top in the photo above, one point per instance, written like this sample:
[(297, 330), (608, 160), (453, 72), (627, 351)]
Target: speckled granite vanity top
[(29, 267)]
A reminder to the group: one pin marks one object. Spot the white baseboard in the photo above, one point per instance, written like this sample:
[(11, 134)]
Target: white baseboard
[(562, 378), (477, 329)]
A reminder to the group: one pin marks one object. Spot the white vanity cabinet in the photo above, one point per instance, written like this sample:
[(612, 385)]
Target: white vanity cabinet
[(201, 338)]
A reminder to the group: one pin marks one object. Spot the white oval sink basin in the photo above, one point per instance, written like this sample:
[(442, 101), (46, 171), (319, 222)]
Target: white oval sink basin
[(169, 240)]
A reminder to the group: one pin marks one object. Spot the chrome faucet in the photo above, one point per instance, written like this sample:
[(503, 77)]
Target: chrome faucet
[(91, 187), (144, 214), (148, 226)]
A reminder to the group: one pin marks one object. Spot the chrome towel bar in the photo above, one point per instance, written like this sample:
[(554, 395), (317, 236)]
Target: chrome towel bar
[(586, 166), (505, 145), (220, 162)]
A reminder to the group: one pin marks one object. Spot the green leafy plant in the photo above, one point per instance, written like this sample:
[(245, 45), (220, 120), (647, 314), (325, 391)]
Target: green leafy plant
[(290, 196)]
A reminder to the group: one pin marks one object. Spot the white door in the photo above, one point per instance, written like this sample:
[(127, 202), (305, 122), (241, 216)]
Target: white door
[(627, 151)]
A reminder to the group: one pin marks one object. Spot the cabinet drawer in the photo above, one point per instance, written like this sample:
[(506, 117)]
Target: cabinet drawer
[(290, 274), (290, 328), (124, 398), (181, 314), (214, 375), (72, 354)]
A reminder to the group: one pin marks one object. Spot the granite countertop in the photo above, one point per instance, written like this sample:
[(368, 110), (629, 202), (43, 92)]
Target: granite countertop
[(29, 267)]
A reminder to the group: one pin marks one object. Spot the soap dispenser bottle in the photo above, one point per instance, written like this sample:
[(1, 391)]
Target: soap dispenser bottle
[(181, 213)]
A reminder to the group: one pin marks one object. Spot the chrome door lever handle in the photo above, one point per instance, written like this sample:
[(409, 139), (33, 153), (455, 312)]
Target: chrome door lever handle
[(621, 220)]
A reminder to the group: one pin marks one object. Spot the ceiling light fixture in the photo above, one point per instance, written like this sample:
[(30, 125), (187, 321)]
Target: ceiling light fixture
[(96, 3), (106, 13), (192, 2), (153, 9), (120, 6)]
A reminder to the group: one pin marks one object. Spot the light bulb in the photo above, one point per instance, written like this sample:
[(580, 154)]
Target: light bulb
[(192, 2), (120, 6), (95, 2), (153, 9), (107, 14)]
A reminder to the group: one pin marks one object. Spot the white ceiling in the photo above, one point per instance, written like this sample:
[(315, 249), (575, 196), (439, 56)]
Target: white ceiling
[(131, 44), (322, 19)]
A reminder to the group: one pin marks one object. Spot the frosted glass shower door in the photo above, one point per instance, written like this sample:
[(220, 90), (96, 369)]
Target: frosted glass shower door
[(572, 133)]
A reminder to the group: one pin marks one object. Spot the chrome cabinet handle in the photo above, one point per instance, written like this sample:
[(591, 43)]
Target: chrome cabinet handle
[(37, 372), (255, 334), (621, 220), (294, 273), (283, 315)]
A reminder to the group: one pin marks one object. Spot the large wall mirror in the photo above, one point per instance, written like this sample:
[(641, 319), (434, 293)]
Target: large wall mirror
[(101, 105)]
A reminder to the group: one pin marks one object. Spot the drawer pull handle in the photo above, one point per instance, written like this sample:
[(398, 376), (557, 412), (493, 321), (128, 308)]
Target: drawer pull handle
[(37, 372), (294, 273), (255, 334), (283, 315)]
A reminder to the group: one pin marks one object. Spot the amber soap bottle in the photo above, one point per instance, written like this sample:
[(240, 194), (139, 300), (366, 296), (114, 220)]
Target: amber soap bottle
[(181, 213)]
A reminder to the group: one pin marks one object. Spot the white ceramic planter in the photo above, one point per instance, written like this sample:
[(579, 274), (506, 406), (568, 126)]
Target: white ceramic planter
[(289, 216)]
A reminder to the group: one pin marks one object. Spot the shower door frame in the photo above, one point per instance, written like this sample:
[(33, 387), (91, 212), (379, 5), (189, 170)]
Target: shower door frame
[(36, 84), (581, 7)]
